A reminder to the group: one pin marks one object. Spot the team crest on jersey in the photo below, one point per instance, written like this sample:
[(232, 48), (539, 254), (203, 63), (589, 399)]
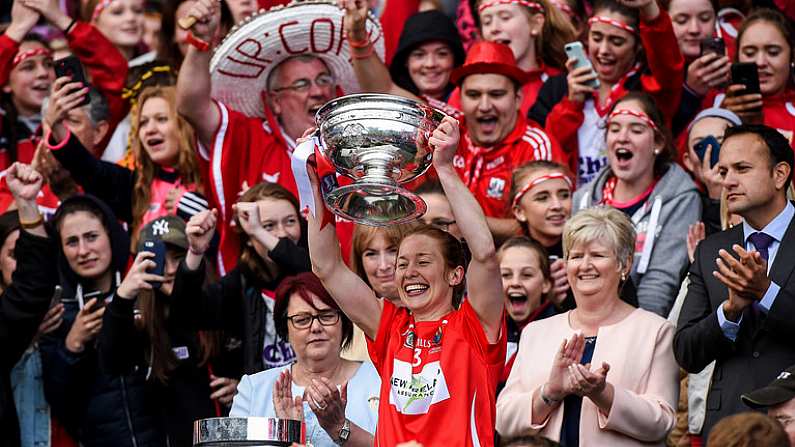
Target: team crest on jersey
[(415, 393), (496, 188), (458, 162)]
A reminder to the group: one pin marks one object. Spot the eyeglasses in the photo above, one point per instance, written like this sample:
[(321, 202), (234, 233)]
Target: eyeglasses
[(303, 85), (305, 320)]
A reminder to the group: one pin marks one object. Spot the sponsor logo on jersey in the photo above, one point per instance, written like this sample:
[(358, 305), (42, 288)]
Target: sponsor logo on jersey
[(415, 393)]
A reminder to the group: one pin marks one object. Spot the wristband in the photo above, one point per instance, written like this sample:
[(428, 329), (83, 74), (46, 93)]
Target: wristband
[(359, 43), (197, 43), (28, 225)]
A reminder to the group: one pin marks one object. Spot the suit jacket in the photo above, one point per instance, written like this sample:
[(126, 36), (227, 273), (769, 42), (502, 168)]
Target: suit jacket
[(765, 344)]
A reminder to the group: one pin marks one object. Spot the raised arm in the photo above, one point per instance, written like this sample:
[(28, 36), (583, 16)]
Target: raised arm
[(484, 286), (354, 297), (193, 83), (371, 72)]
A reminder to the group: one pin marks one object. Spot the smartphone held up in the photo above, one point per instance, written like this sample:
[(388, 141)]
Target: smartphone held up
[(71, 67)]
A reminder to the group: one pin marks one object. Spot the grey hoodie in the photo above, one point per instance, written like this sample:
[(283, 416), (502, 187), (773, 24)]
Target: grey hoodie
[(672, 207)]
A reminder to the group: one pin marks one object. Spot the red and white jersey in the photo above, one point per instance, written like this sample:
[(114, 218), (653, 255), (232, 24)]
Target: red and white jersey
[(438, 379), (779, 113), (487, 171), (244, 152)]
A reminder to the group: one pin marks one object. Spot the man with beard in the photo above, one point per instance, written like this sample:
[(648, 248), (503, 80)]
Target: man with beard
[(498, 138), (283, 75)]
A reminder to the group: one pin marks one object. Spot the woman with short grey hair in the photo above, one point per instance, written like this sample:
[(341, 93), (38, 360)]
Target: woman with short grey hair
[(563, 362)]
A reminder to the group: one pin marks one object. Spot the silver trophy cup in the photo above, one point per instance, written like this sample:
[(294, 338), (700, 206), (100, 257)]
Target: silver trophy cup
[(380, 142), (246, 431)]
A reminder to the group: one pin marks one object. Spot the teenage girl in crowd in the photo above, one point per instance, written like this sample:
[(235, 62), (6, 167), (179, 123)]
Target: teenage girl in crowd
[(622, 35), (694, 21), (272, 246), (642, 181), (26, 73), (767, 39), (121, 21), (95, 43), (142, 331), (95, 405), (166, 172), (526, 285)]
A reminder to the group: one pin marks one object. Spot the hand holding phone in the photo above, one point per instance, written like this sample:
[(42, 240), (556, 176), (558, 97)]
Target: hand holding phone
[(709, 142), (747, 74), (575, 51), (71, 67), (146, 272)]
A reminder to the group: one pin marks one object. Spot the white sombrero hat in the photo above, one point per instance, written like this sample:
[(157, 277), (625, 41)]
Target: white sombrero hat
[(242, 62)]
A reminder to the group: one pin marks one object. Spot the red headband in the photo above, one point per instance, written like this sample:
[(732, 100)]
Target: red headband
[(639, 115), (612, 22), (543, 178), (531, 5), (101, 5), (28, 54), (563, 7)]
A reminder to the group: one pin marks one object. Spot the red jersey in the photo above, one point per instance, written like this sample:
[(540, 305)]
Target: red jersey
[(487, 171), (779, 113), (438, 379)]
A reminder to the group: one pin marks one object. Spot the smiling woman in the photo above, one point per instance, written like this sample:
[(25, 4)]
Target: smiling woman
[(121, 21), (566, 385)]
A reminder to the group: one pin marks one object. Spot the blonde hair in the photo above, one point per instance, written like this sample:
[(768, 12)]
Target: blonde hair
[(187, 166), (604, 224)]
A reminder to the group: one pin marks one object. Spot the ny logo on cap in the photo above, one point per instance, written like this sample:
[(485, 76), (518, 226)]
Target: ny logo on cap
[(160, 227), (784, 375)]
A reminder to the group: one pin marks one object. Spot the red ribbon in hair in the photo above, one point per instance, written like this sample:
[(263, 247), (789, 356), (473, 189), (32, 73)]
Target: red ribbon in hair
[(611, 22), (639, 115), (21, 56), (543, 178), (528, 4)]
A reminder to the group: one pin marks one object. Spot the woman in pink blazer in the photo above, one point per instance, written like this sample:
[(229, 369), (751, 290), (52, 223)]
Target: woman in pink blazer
[(603, 374)]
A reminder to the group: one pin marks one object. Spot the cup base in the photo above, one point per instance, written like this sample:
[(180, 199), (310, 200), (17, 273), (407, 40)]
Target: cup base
[(376, 204)]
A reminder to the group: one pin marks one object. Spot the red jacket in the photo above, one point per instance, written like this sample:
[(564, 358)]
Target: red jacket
[(487, 171)]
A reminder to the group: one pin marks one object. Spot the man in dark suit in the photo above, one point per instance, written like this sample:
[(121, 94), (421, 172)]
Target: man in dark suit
[(738, 312)]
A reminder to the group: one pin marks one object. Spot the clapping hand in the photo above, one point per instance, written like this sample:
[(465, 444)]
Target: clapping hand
[(23, 19), (285, 405), (746, 279), (569, 353), (585, 382), (224, 389), (695, 234), (328, 403)]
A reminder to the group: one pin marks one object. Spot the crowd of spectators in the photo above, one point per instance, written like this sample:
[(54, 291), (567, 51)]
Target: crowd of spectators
[(604, 259)]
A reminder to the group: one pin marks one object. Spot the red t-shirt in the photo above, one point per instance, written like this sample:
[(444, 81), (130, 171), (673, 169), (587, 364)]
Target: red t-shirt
[(487, 171), (438, 385)]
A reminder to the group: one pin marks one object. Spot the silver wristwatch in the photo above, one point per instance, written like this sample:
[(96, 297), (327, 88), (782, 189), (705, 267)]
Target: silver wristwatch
[(344, 434)]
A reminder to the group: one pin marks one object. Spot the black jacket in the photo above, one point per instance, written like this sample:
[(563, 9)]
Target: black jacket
[(234, 304), (97, 407), (764, 345), (22, 307), (186, 396)]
